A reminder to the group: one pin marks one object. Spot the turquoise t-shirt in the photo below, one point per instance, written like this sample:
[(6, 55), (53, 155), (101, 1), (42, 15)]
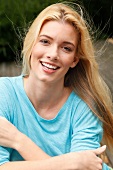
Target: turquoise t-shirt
[(75, 127)]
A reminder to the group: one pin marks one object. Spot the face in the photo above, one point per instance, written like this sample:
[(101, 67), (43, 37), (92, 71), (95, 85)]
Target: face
[(54, 52)]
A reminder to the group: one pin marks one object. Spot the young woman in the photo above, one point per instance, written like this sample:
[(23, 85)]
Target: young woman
[(59, 103)]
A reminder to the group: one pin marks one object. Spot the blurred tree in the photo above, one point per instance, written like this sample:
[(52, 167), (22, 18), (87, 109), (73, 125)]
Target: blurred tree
[(14, 18), (101, 12)]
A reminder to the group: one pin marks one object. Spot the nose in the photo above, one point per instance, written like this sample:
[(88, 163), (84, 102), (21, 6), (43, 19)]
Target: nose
[(53, 53)]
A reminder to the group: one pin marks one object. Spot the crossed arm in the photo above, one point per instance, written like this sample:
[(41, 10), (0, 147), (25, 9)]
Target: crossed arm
[(35, 158)]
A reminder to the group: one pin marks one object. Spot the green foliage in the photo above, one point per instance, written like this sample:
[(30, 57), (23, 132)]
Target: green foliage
[(101, 12), (14, 18)]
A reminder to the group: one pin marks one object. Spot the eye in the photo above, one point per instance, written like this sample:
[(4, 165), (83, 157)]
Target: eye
[(67, 49), (44, 41)]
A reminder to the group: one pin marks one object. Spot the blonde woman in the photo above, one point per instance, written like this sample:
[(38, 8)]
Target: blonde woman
[(60, 107)]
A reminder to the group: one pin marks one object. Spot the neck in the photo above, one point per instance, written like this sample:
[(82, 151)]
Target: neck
[(43, 94)]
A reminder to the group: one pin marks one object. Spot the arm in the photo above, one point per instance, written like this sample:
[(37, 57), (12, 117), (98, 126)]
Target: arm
[(71, 161), (11, 137), (87, 129)]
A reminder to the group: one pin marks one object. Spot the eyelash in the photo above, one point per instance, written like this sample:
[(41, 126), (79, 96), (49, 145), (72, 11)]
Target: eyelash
[(44, 41), (67, 49)]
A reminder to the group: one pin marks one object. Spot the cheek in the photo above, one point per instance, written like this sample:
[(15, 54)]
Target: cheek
[(67, 61), (33, 52), (36, 53)]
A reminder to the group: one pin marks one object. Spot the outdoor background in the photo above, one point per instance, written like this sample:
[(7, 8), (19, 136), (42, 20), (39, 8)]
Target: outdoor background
[(16, 16)]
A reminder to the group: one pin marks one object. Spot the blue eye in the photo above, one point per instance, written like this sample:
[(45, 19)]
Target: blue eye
[(44, 41), (68, 49)]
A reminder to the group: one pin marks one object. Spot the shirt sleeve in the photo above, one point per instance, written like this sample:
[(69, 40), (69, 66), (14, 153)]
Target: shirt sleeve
[(87, 129), (4, 155), (5, 105)]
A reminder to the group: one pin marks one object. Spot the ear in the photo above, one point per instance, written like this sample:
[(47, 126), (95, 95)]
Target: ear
[(74, 63)]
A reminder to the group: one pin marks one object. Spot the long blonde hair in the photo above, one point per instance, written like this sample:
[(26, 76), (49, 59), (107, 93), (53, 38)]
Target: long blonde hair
[(84, 78)]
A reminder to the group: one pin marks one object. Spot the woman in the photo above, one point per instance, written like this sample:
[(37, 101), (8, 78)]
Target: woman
[(60, 101)]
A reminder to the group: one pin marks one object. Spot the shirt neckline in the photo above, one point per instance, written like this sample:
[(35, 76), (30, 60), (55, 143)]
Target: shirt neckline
[(61, 110)]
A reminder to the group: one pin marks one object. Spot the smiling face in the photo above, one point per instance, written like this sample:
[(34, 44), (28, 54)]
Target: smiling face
[(54, 52)]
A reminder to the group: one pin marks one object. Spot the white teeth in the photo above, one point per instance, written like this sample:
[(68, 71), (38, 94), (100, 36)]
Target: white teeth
[(49, 66)]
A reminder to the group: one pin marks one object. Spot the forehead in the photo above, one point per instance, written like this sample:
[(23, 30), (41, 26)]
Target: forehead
[(59, 29)]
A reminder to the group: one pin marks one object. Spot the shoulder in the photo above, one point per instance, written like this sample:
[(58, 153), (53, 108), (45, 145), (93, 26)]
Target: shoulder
[(8, 88), (8, 83), (86, 126), (8, 95), (77, 103), (81, 112)]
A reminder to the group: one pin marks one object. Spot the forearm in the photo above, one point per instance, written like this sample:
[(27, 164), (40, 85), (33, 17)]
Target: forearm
[(28, 165), (70, 161), (54, 163), (11, 137), (28, 149)]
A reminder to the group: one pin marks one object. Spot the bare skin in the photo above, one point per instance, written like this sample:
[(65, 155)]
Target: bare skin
[(11, 137)]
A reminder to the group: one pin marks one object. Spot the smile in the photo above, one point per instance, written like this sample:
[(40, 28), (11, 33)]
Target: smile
[(49, 66)]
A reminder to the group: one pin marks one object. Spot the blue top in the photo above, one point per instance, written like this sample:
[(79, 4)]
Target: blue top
[(75, 127)]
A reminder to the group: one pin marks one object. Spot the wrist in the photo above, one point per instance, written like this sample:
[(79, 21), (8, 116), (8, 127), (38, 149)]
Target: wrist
[(19, 141), (70, 161)]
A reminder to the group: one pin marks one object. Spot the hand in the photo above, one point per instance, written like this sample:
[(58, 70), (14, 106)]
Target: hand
[(8, 133), (86, 160)]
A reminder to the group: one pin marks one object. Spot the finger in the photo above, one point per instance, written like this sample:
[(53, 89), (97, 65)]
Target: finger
[(99, 150)]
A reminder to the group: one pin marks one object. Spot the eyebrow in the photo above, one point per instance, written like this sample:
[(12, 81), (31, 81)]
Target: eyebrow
[(65, 42), (43, 35)]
